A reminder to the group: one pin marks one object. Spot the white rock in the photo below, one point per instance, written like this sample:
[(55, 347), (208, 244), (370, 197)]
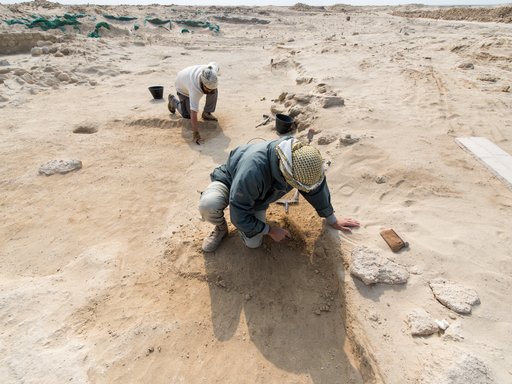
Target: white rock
[(463, 369), (442, 324), (454, 296), (454, 332), (421, 323), (36, 51), (59, 166), (369, 266)]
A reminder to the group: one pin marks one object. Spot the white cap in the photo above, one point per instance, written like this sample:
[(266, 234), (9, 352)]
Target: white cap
[(209, 76)]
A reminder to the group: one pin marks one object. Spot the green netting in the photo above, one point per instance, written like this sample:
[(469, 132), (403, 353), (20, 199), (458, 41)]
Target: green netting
[(96, 32), (199, 24), (71, 19), (157, 21), (120, 18), (17, 21), (135, 26), (71, 16), (46, 24)]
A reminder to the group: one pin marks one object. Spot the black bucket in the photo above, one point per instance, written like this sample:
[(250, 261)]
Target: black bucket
[(284, 123), (157, 91)]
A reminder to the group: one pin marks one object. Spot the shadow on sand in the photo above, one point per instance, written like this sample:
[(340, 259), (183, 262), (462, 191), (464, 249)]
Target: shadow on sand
[(214, 144), (291, 302)]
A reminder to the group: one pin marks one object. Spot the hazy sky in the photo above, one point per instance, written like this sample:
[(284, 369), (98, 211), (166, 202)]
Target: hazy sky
[(279, 2)]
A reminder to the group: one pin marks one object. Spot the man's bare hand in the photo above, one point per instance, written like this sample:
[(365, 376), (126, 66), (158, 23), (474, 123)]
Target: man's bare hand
[(345, 225), (277, 234), (197, 138)]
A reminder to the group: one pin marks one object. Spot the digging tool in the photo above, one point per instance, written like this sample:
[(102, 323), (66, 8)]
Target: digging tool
[(287, 202), (266, 120)]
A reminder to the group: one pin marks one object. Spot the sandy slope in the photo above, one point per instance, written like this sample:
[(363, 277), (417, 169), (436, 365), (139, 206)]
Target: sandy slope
[(101, 276)]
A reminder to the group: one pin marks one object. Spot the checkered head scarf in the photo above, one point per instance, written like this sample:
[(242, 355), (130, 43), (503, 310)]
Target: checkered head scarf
[(301, 164)]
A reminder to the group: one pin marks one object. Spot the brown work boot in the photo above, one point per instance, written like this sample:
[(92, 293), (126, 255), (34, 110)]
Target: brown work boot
[(213, 240), (171, 105), (208, 116)]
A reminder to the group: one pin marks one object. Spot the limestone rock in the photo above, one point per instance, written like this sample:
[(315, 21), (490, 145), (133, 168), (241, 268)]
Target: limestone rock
[(454, 332), (369, 266), (461, 370), (36, 51), (59, 166), (348, 140), (454, 296), (332, 101), (295, 111), (421, 323), (302, 98)]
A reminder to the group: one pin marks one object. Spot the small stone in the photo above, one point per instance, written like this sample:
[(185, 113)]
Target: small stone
[(348, 140), (42, 43), (326, 140), (36, 51), (63, 77), (332, 101), (442, 324), (295, 111), (466, 66), (421, 323), (59, 166), (454, 332)]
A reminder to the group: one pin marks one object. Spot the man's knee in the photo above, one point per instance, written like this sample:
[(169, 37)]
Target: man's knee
[(208, 206), (253, 246), (253, 242), (213, 201)]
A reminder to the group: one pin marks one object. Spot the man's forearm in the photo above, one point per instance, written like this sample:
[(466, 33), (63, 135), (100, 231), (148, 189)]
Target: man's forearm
[(193, 121)]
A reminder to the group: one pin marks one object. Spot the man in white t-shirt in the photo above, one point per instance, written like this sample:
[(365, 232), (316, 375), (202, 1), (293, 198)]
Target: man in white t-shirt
[(191, 84)]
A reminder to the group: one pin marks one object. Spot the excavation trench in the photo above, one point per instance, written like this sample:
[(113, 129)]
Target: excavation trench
[(287, 299)]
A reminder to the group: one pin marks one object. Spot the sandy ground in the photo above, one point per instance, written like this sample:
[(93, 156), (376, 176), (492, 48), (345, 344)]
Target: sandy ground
[(102, 279)]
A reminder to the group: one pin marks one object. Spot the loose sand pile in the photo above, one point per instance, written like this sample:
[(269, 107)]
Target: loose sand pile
[(102, 279)]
